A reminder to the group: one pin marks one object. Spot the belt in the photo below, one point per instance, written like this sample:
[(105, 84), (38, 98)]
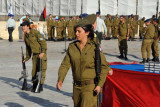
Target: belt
[(83, 83), (35, 53)]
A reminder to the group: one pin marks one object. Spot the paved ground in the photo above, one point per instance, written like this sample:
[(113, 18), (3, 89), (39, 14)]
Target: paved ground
[(11, 94)]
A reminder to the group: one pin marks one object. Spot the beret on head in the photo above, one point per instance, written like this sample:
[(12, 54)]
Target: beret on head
[(147, 20), (155, 19), (82, 23), (98, 13), (91, 18), (122, 16)]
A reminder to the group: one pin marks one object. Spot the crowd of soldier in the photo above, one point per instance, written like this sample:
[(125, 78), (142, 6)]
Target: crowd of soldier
[(61, 26)]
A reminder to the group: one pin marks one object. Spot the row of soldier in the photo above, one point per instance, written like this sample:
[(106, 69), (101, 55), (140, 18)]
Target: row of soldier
[(111, 25), (61, 26), (113, 29)]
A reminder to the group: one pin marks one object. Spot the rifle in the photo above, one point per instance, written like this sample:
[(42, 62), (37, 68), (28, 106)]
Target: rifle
[(38, 75), (98, 71), (23, 73)]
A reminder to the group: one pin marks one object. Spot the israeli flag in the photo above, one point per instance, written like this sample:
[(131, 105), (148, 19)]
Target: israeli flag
[(10, 12)]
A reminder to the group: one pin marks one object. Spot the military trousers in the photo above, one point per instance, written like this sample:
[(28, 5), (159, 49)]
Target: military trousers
[(59, 33), (43, 67), (70, 31), (123, 47), (83, 96), (155, 48), (146, 46), (140, 32), (49, 32), (131, 35), (108, 31)]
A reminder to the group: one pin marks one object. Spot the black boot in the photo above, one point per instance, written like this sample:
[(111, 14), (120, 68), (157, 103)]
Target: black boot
[(157, 59), (144, 61), (32, 88), (153, 59), (40, 89), (147, 60), (125, 57), (121, 56)]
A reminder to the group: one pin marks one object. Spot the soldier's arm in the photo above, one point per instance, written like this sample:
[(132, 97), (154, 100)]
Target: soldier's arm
[(42, 42), (63, 69), (28, 53), (105, 68)]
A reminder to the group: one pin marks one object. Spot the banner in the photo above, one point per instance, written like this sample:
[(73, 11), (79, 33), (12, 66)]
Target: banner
[(146, 8), (108, 7), (127, 7)]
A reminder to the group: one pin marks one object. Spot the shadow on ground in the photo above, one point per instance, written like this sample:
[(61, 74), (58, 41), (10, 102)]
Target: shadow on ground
[(18, 84), (11, 104), (39, 101)]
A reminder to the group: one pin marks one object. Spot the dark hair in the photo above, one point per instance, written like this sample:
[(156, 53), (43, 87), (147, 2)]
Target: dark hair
[(87, 28)]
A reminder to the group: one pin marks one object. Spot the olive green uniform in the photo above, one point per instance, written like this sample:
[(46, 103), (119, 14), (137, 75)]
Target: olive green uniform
[(148, 40), (155, 48), (26, 19), (59, 29), (122, 40), (108, 24), (141, 27), (129, 22), (135, 25), (74, 23), (34, 41), (70, 27), (116, 22), (83, 69), (49, 25), (64, 28), (53, 28)]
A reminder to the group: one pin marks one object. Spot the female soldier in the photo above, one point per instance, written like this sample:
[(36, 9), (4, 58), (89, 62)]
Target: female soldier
[(81, 57)]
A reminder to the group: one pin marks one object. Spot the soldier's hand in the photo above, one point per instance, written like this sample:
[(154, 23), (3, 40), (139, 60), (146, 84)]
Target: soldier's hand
[(110, 72), (24, 61), (97, 89), (117, 36), (41, 55), (59, 85), (127, 37)]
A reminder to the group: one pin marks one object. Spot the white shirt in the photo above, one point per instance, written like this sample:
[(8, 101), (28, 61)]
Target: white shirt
[(11, 23), (100, 23)]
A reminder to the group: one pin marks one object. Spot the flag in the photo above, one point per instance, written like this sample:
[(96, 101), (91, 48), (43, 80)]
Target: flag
[(43, 14), (10, 12)]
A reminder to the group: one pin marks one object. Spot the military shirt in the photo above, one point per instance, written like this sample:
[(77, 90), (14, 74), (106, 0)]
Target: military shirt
[(26, 19), (116, 22), (70, 23), (135, 23), (59, 24), (123, 29), (108, 22), (49, 22), (34, 41), (156, 31), (82, 63), (149, 32), (141, 23)]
